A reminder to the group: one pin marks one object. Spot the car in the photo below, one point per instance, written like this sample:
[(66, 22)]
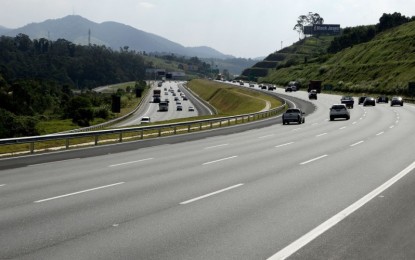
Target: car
[(178, 103), (339, 111), (369, 101), (348, 101), (361, 100), (166, 93), (288, 89), (293, 115), (382, 99), (312, 94), (174, 94), (176, 98), (396, 101), (145, 120), (184, 98), (178, 90), (179, 108), (191, 108), (251, 85)]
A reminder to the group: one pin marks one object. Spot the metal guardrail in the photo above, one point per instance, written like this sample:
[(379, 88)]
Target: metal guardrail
[(175, 128)]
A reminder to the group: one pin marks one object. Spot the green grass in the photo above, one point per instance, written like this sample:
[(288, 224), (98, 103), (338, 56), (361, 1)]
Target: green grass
[(384, 65)]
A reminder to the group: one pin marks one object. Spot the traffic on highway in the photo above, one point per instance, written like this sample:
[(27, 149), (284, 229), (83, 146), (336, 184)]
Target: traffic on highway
[(321, 189)]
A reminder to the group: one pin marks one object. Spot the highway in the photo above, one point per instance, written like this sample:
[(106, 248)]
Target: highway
[(151, 109), (337, 190)]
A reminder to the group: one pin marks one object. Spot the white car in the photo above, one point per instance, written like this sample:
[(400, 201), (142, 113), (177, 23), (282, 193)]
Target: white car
[(145, 120), (339, 111)]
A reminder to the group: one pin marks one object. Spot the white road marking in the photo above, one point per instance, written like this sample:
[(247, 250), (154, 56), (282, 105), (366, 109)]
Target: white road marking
[(381, 133), (356, 143), (79, 192), (341, 128), (314, 124), (360, 118), (211, 194), (120, 164), (1, 185), (296, 129), (392, 126), (281, 145), (354, 123), (310, 236), (54, 162), (315, 159), (321, 134), (397, 121), (265, 136), (215, 146), (223, 159)]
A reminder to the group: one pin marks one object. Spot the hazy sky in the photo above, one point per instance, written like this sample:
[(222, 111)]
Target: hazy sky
[(243, 28)]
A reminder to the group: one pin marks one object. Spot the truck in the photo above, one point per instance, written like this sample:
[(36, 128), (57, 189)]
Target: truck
[(164, 106), (315, 84), (293, 115), (156, 95)]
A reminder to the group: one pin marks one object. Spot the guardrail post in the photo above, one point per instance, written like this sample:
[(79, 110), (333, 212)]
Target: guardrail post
[(142, 134), (67, 143), (159, 132), (32, 147), (229, 122), (200, 126), (188, 129), (120, 140), (211, 124), (175, 129), (96, 140), (220, 123)]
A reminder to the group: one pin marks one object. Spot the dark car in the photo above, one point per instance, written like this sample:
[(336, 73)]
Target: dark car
[(312, 94), (361, 100), (288, 89), (382, 99), (348, 101), (369, 101), (396, 101)]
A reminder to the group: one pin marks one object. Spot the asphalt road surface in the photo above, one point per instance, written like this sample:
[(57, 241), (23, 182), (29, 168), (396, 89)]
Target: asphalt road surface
[(318, 190)]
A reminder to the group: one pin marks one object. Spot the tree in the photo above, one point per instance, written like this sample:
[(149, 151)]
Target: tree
[(306, 20)]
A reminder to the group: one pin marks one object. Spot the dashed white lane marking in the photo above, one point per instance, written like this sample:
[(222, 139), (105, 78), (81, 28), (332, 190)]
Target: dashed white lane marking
[(1, 185), (313, 234), (120, 164), (79, 192), (315, 159), (215, 146), (314, 124), (281, 145), (392, 126), (296, 129), (356, 143), (341, 128), (321, 134), (211, 194), (220, 160), (354, 123), (380, 133), (265, 136)]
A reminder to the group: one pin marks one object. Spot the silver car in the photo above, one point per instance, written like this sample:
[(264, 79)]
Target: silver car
[(339, 111)]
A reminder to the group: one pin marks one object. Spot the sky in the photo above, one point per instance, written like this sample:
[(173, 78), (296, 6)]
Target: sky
[(242, 28)]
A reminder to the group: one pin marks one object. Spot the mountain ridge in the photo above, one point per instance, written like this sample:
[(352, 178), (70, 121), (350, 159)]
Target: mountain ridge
[(115, 35)]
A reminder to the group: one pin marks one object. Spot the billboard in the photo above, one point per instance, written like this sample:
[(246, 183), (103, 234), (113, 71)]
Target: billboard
[(322, 29)]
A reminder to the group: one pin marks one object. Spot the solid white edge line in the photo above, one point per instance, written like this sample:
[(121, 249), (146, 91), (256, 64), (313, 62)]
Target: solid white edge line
[(210, 147), (223, 159), (310, 236), (211, 194), (40, 164), (281, 145), (357, 143), (315, 159), (120, 164), (78, 192)]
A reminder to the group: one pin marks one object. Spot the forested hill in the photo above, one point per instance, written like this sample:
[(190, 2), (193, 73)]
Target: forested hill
[(373, 59)]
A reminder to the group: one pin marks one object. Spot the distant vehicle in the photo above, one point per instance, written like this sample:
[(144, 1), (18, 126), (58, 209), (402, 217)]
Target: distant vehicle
[(179, 108), (251, 85), (178, 103), (369, 101), (263, 87), (288, 89), (163, 106), (382, 99), (397, 101), (295, 85), (176, 98), (271, 87), (159, 84), (184, 98), (178, 90), (145, 120), (315, 84), (312, 94), (339, 111), (191, 108), (361, 100), (348, 101), (241, 83), (166, 93), (293, 115), (156, 95)]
